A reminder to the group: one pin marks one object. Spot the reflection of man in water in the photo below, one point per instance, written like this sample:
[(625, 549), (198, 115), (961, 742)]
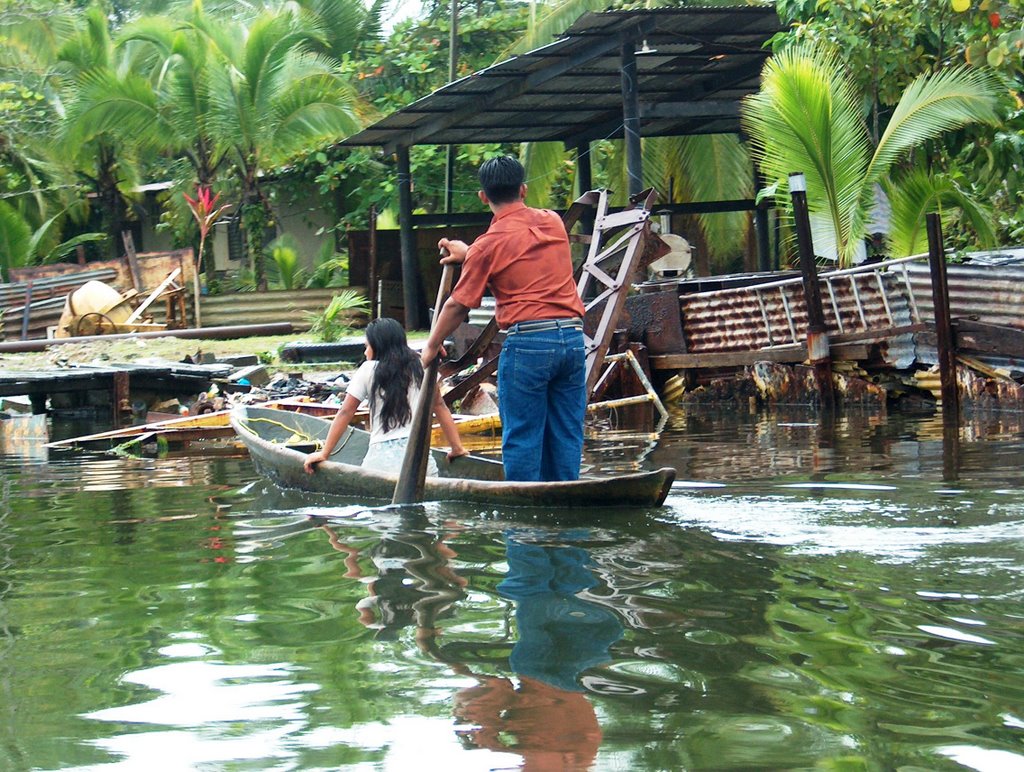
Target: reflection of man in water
[(560, 635)]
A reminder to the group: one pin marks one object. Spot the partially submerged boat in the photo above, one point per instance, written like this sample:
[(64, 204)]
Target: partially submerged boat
[(278, 442)]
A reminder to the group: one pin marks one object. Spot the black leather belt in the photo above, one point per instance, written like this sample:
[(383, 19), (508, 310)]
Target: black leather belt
[(542, 325)]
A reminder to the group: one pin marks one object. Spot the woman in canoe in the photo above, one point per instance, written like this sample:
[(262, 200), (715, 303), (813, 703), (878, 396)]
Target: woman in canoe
[(389, 380)]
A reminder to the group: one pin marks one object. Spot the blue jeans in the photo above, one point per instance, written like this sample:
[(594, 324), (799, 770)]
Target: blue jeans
[(542, 399)]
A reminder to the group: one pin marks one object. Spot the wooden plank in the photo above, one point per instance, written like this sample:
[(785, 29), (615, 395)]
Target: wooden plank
[(785, 354), (986, 370), (986, 338), (132, 259), (205, 422), (153, 296)]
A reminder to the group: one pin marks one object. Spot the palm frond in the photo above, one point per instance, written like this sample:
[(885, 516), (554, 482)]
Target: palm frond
[(121, 107), (342, 23), (230, 120), (272, 37), (920, 192), (65, 248), (541, 161), (15, 234), (935, 103), (806, 118), (717, 167)]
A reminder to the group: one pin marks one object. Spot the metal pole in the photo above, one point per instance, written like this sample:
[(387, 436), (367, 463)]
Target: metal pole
[(372, 289), (764, 258), (410, 263), (631, 119), (818, 353), (453, 61), (943, 324), (212, 333)]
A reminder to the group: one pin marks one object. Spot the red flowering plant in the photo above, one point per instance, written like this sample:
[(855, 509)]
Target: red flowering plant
[(205, 210)]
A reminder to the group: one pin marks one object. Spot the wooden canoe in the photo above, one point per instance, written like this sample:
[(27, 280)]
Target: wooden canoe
[(278, 441)]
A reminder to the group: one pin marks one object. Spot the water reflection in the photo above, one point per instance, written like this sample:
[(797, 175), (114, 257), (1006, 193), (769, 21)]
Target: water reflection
[(415, 583), (861, 611), (535, 706), (722, 445), (547, 717)]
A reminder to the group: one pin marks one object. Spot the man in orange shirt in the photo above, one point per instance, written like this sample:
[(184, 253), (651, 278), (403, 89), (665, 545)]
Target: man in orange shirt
[(525, 260)]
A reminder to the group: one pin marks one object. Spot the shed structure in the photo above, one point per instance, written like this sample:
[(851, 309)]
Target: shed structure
[(612, 75)]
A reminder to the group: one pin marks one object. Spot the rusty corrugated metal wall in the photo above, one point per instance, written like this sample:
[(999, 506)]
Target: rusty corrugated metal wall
[(992, 293), (274, 306), (775, 314), (869, 298)]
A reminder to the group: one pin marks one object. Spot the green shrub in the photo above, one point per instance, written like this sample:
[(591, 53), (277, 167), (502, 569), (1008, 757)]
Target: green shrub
[(335, 322)]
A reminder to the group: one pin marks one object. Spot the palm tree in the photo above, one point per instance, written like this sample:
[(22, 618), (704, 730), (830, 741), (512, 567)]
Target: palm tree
[(271, 97), (103, 159), (238, 95), (160, 102), (37, 179), (807, 117)]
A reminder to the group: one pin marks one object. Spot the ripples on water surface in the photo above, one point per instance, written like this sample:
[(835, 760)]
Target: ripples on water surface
[(811, 596)]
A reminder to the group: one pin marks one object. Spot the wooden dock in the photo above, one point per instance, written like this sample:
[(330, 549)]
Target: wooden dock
[(109, 386)]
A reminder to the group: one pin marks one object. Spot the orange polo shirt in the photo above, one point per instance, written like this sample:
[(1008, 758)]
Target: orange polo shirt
[(524, 258)]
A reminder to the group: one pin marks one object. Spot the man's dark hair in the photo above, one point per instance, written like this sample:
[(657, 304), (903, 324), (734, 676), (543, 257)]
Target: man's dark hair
[(500, 179)]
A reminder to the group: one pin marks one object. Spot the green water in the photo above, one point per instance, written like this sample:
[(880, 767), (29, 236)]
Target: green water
[(811, 597)]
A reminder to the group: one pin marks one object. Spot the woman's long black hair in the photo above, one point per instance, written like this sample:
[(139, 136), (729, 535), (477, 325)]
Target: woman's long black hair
[(397, 366)]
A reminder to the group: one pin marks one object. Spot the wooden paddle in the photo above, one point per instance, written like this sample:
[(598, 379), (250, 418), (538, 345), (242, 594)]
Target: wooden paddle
[(409, 488)]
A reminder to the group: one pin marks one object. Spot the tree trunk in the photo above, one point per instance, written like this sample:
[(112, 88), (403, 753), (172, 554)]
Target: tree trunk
[(253, 220)]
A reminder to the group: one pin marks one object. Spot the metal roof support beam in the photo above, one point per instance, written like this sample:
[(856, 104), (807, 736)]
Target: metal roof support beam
[(407, 239), (709, 108), (631, 118), (521, 86)]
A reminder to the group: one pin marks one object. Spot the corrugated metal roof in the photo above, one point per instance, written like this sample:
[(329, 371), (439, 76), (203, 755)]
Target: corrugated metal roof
[(699, 63)]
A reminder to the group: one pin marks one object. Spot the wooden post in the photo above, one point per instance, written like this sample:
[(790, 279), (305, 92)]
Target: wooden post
[(943, 324), (410, 262), (133, 264), (818, 353), (26, 312), (119, 396)]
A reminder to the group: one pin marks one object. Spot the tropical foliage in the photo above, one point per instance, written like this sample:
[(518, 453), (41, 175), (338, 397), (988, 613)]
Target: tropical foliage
[(339, 319), (250, 100), (807, 118)]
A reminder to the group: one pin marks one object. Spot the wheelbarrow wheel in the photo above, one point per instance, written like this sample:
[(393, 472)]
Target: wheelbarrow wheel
[(94, 324)]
